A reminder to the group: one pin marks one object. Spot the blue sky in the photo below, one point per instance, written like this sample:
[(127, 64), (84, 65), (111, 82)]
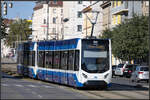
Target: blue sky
[(21, 9)]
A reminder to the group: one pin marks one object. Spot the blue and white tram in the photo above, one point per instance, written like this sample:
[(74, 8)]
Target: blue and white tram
[(75, 62)]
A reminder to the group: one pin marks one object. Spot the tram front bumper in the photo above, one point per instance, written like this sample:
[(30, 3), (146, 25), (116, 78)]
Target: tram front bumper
[(92, 83)]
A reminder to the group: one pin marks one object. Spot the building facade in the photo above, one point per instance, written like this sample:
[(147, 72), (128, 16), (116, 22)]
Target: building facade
[(47, 20), (145, 8), (106, 9), (73, 27), (122, 10)]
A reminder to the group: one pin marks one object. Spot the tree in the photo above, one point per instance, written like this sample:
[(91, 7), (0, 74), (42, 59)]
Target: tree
[(3, 29), (19, 31), (130, 39)]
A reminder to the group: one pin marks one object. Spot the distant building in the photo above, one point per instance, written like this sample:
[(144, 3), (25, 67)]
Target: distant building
[(106, 9), (122, 10), (39, 20), (145, 8)]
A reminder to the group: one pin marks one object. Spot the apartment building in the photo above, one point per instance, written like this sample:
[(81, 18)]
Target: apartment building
[(106, 9), (145, 8), (122, 10), (74, 20), (47, 20)]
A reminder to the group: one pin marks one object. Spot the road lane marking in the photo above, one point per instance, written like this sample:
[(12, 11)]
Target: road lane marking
[(18, 85), (40, 96), (31, 85), (48, 86), (5, 85)]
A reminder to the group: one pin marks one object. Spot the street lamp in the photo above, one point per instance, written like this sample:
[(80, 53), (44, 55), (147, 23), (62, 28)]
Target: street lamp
[(64, 20)]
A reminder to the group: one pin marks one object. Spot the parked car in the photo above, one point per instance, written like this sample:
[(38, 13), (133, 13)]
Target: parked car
[(113, 70), (119, 69), (140, 74), (129, 68), (122, 69)]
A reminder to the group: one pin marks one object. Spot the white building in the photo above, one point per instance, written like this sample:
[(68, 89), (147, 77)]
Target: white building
[(73, 26), (66, 20), (39, 24)]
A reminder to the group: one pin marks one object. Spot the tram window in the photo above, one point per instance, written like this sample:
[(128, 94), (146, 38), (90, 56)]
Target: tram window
[(33, 58), (26, 58), (41, 59), (19, 57), (22, 57), (56, 59), (30, 58), (71, 60), (64, 58), (49, 59), (76, 65)]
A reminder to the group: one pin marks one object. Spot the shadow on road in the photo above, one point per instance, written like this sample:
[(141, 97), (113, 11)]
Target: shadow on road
[(124, 87), (4, 75)]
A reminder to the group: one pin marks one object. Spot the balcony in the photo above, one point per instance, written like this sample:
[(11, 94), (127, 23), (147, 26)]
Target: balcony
[(120, 9)]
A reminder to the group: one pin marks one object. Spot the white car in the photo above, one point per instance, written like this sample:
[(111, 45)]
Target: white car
[(120, 69), (141, 73)]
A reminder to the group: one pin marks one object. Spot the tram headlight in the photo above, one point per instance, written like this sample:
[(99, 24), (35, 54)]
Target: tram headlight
[(105, 76), (85, 76)]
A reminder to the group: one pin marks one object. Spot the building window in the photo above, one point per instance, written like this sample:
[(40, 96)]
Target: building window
[(119, 3), (44, 21), (79, 2), (54, 20), (54, 10), (114, 19), (61, 10), (79, 14), (61, 19), (54, 30), (79, 28), (119, 19), (113, 3), (147, 3)]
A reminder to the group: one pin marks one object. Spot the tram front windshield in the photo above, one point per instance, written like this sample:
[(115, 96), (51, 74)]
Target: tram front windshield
[(95, 55)]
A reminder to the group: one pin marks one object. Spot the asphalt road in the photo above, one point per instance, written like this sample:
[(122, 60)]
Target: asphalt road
[(26, 88), (17, 88), (127, 81)]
